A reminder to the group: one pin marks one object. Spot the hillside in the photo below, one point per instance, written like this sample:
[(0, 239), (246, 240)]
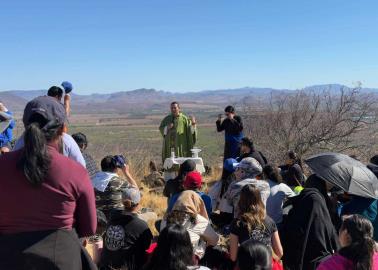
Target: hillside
[(151, 100)]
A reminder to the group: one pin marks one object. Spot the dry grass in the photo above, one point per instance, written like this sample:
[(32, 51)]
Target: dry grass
[(158, 203)]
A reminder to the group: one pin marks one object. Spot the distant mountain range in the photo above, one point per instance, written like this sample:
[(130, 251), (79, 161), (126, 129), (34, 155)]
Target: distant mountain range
[(146, 100)]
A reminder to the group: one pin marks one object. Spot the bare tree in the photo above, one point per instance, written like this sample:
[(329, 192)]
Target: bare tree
[(309, 122)]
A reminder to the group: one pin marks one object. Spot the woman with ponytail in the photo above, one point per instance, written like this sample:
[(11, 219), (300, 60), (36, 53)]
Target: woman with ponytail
[(253, 223), (46, 199), (358, 249)]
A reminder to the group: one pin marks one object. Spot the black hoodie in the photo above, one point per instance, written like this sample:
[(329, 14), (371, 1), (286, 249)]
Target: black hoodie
[(308, 235), (125, 241)]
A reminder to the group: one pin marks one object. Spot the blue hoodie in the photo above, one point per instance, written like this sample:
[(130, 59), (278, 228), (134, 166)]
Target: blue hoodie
[(7, 135)]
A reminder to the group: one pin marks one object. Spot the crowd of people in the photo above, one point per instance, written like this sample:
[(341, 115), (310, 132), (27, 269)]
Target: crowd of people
[(55, 200)]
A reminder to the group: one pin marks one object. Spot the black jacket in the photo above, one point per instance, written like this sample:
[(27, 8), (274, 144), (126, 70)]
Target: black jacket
[(256, 155), (308, 235), (44, 250), (125, 241)]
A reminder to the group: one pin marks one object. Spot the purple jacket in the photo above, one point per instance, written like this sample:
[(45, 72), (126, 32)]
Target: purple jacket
[(338, 262)]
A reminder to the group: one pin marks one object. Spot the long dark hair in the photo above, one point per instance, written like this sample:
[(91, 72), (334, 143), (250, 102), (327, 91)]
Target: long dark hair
[(254, 255), (271, 173), (294, 156), (362, 246), (251, 206), (174, 250), (35, 160)]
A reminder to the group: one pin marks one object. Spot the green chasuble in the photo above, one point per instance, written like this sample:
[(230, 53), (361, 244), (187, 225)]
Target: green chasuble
[(181, 137)]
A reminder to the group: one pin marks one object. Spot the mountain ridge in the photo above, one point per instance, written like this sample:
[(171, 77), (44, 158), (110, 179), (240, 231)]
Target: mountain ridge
[(146, 98)]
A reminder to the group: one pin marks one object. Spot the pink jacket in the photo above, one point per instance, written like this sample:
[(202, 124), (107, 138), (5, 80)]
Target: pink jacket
[(338, 262)]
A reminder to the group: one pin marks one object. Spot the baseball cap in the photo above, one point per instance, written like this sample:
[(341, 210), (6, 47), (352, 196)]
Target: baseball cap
[(132, 195), (193, 180), (250, 165), (229, 164), (47, 107)]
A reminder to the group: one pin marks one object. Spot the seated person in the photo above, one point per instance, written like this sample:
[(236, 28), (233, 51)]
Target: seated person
[(217, 194), (127, 236), (292, 172), (247, 149), (248, 171), (189, 211), (366, 207), (193, 181), (174, 186), (108, 184), (90, 163)]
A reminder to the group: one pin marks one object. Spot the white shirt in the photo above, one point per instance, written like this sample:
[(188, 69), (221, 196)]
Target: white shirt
[(70, 148), (200, 230), (278, 193)]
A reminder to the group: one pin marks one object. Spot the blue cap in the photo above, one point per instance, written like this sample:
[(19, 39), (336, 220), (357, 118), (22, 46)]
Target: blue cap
[(229, 164), (67, 86)]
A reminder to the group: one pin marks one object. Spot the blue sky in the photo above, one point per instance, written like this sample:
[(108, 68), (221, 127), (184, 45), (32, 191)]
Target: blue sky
[(187, 45)]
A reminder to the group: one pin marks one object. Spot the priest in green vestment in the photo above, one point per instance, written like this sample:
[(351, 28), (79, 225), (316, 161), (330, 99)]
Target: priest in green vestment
[(179, 133)]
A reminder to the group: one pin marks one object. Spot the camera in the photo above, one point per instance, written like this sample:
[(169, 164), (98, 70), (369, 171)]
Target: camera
[(120, 161)]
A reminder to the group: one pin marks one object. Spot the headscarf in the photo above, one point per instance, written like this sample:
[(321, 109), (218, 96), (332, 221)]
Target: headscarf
[(190, 202)]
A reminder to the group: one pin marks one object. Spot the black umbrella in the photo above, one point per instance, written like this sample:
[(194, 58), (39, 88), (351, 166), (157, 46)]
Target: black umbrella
[(345, 172)]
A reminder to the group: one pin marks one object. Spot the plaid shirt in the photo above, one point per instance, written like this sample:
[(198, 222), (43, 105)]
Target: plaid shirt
[(90, 164)]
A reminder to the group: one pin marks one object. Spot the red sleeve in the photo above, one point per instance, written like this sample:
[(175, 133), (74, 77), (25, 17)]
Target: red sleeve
[(85, 213)]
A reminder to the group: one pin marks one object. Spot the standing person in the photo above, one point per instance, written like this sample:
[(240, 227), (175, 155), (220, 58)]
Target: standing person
[(6, 128), (279, 192), (68, 145), (127, 236), (233, 132), (248, 150), (358, 249), (308, 234), (179, 133), (253, 223), (174, 251), (90, 163), (55, 92), (54, 197), (67, 86)]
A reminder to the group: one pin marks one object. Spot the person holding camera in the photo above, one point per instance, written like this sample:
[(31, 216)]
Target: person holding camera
[(233, 132), (110, 182)]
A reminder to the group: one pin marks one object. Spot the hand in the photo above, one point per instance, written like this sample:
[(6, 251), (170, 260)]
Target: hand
[(193, 120), (2, 107), (170, 126), (220, 117), (126, 169)]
